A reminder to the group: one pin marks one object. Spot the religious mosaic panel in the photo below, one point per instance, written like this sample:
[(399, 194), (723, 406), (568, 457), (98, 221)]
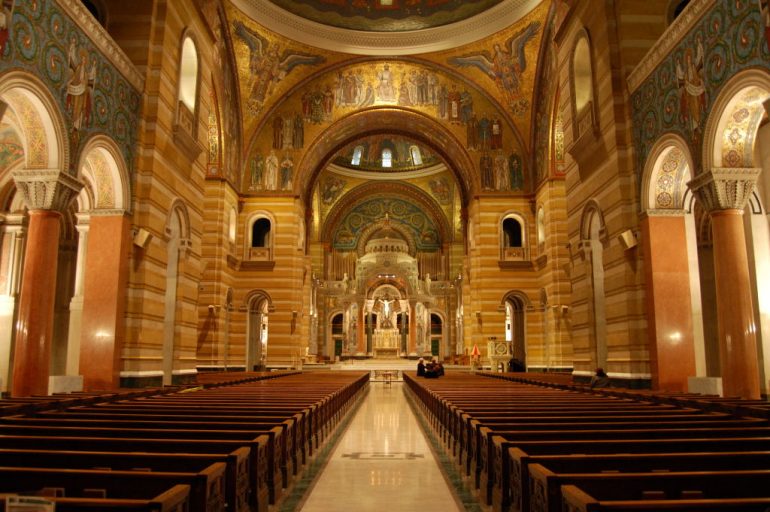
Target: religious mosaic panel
[(92, 94), (678, 95), (468, 114), (11, 149), (424, 232)]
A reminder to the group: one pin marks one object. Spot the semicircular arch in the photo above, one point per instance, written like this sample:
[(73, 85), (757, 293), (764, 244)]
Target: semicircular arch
[(666, 172), (398, 190), (102, 160), (376, 120)]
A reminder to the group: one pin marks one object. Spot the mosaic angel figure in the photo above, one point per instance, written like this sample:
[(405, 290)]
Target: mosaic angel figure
[(266, 65), (506, 63)]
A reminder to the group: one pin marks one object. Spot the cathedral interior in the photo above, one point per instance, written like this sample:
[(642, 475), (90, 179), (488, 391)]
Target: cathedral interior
[(225, 185)]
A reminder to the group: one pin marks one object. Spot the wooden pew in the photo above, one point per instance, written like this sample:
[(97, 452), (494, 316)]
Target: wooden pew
[(518, 470), (545, 485), (624, 463), (259, 461), (236, 475), (206, 486), (176, 499), (575, 500)]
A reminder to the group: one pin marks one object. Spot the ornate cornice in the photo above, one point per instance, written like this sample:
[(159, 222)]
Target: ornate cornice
[(96, 33), (413, 42), (47, 189), (725, 188), (670, 38)]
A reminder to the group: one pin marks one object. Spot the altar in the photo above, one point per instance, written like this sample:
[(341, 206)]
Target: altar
[(385, 343)]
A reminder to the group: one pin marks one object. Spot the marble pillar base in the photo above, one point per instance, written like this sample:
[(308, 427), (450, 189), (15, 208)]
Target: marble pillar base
[(65, 384)]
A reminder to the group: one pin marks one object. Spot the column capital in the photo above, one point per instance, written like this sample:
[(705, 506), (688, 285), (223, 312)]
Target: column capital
[(47, 189), (725, 188)]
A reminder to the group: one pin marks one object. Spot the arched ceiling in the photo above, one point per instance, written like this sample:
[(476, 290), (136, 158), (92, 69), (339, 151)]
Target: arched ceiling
[(306, 105)]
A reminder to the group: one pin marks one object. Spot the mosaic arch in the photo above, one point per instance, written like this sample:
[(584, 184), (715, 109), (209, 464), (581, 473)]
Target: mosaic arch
[(40, 128), (102, 166), (11, 145), (735, 120), (411, 124), (412, 212), (669, 170), (447, 96)]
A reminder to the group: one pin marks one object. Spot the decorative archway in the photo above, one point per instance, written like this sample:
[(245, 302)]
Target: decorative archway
[(415, 125), (259, 305)]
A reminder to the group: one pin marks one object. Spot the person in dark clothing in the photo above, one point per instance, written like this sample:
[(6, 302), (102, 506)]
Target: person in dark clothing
[(421, 368), (600, 380)]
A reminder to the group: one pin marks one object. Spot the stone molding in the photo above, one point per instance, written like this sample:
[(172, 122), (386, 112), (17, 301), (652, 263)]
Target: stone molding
[(725, 188), (99, 36), (112, 212), (663, 212), (410, 42), (47, 189), (666, 42)]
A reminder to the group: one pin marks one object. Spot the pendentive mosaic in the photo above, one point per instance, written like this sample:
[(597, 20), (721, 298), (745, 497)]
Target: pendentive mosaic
[(93, 96), (678, 95)]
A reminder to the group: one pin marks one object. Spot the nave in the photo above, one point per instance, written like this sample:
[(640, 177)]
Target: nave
[(383, 459)]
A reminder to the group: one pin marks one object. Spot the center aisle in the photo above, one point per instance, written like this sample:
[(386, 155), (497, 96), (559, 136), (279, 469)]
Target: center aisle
[(382, 462)]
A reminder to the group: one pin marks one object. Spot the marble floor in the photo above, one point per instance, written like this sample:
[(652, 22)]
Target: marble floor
[(382, 462)]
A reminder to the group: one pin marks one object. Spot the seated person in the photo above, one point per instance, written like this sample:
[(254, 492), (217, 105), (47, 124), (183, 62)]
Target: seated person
[(600, 380), (430, 371), (421, 368)]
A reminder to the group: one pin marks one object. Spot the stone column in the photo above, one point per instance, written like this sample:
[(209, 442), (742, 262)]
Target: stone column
[(47, 193), (76, 303), (412, 346), (104, 300), (361, 337), (724, 193), (669, 305)]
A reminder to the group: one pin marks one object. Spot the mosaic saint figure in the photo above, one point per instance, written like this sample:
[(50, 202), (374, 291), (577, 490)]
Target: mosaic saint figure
[(515, 171), (271, 171), (80, 86), (386, 91), (287, 172), (6, 13), (692, 87), (502, 181), (257, 170), (486, 168)]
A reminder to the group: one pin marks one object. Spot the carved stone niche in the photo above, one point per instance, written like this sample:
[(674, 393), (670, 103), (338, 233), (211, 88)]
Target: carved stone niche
[(185, 132)]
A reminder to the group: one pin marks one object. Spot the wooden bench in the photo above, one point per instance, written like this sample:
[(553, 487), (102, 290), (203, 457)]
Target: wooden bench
[(237, 484), (575, 500), (206, 486), (261, 490), (613, 462), (545, 485), (176, 499)]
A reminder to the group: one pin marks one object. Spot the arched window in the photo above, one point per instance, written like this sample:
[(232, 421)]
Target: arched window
[(675, 8), (416, 155), (357, 152), (186, 121), (513, 238), (540, 227), (188, 76), (583, 101), (387, 157), (231, 227), (512, 233), (260, 233)]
